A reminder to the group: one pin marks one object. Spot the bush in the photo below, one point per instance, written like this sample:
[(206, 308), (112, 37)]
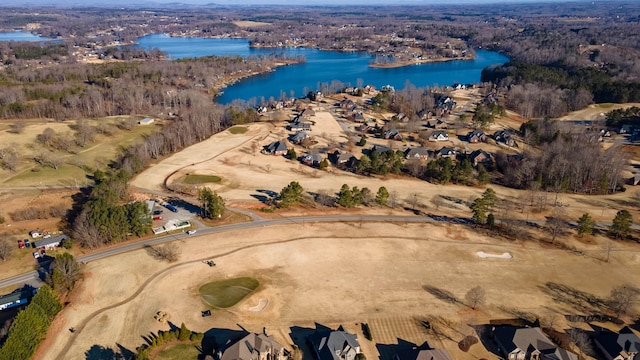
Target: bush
[(66, 243)]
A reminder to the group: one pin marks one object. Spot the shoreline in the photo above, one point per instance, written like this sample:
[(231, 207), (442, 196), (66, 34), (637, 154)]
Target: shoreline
[(403, 63), (218, 88)]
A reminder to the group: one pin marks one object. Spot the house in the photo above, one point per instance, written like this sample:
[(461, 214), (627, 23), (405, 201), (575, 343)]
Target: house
[(356, 116), (504, 137), (253, 347), (527, 343), (347, 104), (312, 159), (299, 137), (146, 121), (439, 136), (334, 344), (422, 354), (380, 149), (476, 136), (416, 153), (402, 117), (276, 148), (624, 345), (365, 128), (446, 152), (392, 134), (307, 113), (19, 297), (343, 158), (424, 114), (480, 157), (315, 95), (300, 126), (437, 124), (50, 243)]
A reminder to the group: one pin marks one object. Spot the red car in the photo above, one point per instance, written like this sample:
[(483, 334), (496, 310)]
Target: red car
[(157, 218), (20, 244)]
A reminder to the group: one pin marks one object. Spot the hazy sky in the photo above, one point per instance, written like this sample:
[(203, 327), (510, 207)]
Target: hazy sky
[(120, 3)]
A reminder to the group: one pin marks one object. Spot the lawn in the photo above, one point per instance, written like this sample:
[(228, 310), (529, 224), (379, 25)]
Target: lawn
[(75, 163), (179, 352), (226, 293), (194, 179), (236, 130)]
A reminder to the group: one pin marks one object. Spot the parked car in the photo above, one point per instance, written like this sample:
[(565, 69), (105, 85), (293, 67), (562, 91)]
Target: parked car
[(36, 255), (170, 207), (157, 212), (191, 232), (27, 243), (20, 244), (157, 218)]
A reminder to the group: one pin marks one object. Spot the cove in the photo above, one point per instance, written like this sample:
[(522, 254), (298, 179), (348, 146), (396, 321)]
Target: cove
[(320, 67)]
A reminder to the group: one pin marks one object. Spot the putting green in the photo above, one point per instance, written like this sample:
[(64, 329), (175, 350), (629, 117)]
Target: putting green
[(193, 179), (226, 293)]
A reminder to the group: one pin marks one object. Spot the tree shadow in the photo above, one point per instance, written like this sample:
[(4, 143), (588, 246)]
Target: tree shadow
[(577, 299), (484, 334), (216, 339), (441, 294), (99, 352), (388, 351), (299, 337)]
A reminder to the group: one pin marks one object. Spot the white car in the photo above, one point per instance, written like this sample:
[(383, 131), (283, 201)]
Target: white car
[(36, 255), (191, 232)]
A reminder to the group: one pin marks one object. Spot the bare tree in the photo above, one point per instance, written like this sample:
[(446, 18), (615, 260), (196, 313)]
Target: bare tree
[(437, 201), (581, 340), (413, 199), (169, 252), (621, 299), (5, 250), (556, 222), (475, 297), (17, 127)]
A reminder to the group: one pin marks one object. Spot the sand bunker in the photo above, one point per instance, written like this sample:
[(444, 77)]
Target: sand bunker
[(262, 303), (485, 255)]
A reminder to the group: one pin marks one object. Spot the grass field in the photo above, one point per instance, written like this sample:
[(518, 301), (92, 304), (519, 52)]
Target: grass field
[(238, 130), (226, 293), (75, 163), (179, 352), (194, 179)]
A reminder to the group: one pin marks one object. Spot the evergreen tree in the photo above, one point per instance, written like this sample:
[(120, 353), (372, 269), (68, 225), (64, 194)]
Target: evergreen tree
[(621, 224), (382, 196), (480, 210), (585, 224), (65, 272), (345, 196), (291, 194), (213, 205)]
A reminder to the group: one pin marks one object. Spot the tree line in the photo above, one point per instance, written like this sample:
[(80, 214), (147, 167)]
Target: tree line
[(31, 325)]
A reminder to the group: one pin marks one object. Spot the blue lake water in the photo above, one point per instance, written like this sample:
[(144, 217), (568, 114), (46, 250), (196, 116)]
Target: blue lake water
[(320, 67), (21, 36)]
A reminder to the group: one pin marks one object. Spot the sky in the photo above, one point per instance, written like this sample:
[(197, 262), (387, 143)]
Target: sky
[(256, 2)]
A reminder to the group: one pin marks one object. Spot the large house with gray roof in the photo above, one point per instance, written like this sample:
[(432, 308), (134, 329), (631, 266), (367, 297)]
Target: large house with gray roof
[(527, 343), (252, 347), (334, 344)]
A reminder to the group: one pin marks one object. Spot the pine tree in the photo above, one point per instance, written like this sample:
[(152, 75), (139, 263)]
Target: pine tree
[(585, 224)]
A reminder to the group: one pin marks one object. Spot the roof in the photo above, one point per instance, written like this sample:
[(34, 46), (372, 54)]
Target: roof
[(380, 148), (344, 157), (419, 151), (511, 338), (50, 241), (332, 344), (316, 158), (446, 150), (277, 146), (417, 354), (250, 347), (475, 133), (436, 134), (479, 152), (614, 343), (299, 136)]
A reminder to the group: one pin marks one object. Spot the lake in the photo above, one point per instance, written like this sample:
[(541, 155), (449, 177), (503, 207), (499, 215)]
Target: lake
[(21, 36), (320, 67)]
